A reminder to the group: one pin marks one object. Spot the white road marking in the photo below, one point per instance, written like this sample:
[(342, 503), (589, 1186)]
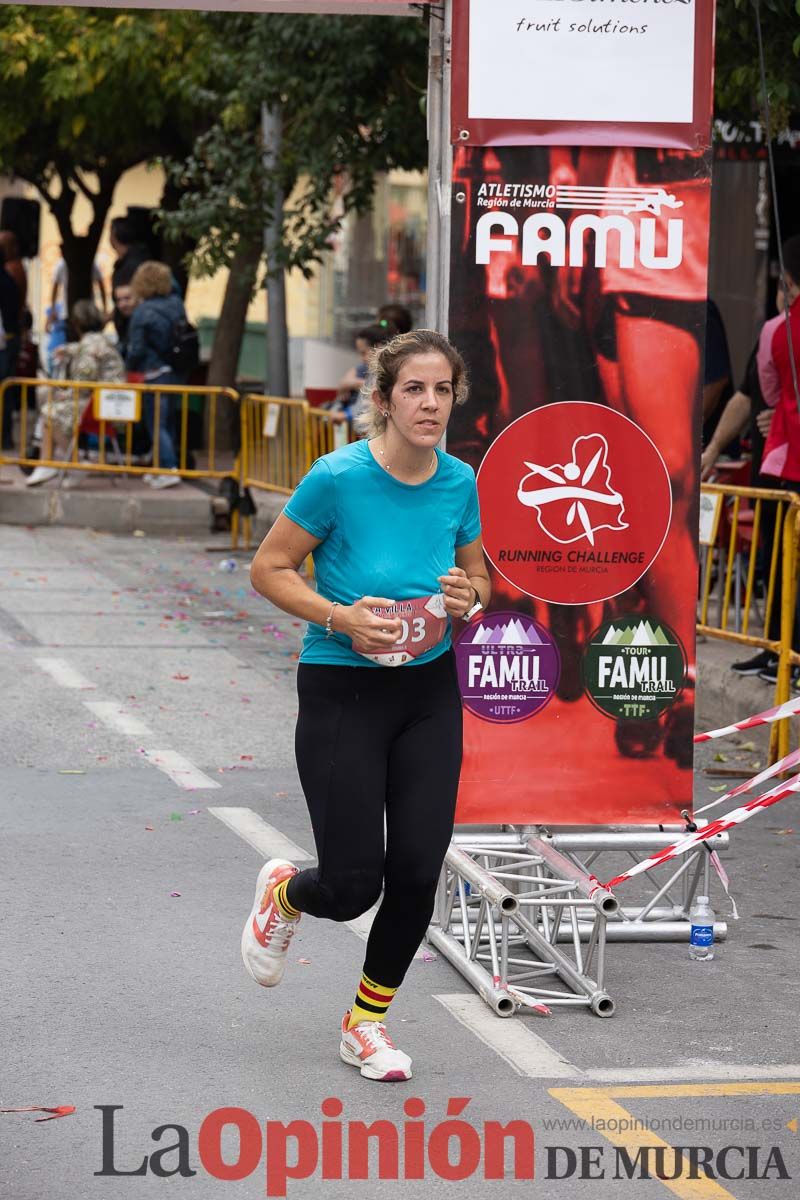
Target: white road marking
[(64, 674), (524, 1051), (113, 714), (697, 1070), (528, 1054), (269, 842), (179, 769)]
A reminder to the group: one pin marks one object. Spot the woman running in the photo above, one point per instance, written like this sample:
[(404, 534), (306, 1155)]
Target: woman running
[(392, 523)]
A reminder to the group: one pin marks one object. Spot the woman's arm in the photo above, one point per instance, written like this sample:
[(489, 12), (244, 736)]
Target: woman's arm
[(470, 572), (136, 349), (275, 574)]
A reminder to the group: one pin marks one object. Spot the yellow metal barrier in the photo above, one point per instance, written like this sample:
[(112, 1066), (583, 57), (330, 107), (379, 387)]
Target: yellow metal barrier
[(738, 523), (68, 407)]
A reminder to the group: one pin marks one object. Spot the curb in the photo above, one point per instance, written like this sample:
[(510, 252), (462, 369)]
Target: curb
[(180, 511)]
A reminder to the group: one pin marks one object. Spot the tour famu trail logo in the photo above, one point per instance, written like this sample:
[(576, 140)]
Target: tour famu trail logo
[(576, 500), (634, 668), (508, 667)]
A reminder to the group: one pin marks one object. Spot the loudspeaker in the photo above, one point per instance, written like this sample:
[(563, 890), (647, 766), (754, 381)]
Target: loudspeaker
[(21, 216)]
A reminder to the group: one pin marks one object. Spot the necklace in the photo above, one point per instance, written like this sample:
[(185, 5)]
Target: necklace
[(386, 466)]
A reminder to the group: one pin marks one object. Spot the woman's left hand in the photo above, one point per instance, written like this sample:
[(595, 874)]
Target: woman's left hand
[(458, 592)]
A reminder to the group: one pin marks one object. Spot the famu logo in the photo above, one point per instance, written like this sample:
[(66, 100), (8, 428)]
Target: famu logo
[(634, 668), (657, 245)]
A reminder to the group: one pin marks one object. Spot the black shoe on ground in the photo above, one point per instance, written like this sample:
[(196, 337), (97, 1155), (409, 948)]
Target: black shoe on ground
[(770, 675), (763, 661)]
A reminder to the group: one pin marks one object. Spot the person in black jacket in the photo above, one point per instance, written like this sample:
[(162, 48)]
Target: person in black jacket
[(158, 314), (9, 341)]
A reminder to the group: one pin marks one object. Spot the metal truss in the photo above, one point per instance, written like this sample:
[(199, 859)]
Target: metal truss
[(519, 914)]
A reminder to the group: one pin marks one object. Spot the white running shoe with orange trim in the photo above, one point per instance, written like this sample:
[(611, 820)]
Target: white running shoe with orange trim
[(369, 1047), (267, 933)]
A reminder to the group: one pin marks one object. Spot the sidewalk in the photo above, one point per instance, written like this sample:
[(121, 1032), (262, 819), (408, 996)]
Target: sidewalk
[(122, 504), (724, 697)]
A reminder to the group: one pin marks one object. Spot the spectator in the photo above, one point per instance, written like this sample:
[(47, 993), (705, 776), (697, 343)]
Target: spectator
[(397, 316), (124, 305), (780, 464), (151, 338), (717, 389), (349, 389), (91, 358), (130, 255), (744, 408), (15, 266), (9, 342)]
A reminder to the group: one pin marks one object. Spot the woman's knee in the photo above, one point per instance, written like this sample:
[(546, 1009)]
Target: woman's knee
[(349, 895)]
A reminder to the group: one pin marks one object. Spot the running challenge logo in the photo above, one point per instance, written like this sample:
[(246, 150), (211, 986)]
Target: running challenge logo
[(656, 247), (576, 502)]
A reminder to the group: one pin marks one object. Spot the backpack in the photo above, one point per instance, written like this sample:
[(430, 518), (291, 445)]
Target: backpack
[(183, 355)]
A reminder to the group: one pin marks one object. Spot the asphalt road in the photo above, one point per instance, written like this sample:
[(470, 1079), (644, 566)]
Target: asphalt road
[(142, 687)]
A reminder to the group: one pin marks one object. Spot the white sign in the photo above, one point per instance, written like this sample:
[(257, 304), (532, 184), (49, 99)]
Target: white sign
[(710, 508), (582, 60), (116, 404), (271, 418)]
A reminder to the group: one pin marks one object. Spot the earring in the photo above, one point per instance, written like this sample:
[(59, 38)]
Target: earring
[(384, 414)]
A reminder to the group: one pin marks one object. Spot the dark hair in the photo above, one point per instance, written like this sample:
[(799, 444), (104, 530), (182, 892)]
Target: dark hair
[(122, 229), (791, 258), (377, 335), (85, 317), (397, 315), (384, 369)]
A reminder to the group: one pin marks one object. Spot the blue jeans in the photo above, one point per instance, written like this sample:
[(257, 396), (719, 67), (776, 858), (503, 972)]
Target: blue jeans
[(167, 458)]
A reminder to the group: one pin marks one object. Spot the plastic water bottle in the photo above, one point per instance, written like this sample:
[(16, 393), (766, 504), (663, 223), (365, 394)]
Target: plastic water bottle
[(701, 938)]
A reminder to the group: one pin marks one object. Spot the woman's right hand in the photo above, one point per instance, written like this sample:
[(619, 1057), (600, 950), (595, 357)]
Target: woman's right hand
[(370, 633)]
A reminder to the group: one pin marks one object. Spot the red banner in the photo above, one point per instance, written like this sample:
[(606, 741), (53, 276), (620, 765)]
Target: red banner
[(578, 298)]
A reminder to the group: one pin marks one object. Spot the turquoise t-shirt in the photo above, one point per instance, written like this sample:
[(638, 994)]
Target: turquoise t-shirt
[(380, 537)]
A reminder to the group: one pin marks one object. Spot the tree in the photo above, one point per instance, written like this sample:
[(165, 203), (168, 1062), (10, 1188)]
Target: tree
[(88, 94), (349, 93), (737, 77)]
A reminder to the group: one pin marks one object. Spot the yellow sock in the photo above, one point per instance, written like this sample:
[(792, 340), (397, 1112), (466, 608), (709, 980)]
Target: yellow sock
[(281, 902), (371, 1002)]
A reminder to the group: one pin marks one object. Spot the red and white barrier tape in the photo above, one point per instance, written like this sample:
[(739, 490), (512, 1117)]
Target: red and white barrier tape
[(785, 764), (790, 709), (720, 825)]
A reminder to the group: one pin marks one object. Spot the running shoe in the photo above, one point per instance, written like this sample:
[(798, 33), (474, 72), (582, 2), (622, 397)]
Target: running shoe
[(753, 666), (164, 481), (267, 933), (368, 1046)]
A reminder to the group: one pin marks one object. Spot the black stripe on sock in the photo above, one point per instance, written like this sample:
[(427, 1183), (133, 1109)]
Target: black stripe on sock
[(380, 1009)]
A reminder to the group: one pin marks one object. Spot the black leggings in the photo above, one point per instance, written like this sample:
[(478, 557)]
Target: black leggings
[(369, 741)]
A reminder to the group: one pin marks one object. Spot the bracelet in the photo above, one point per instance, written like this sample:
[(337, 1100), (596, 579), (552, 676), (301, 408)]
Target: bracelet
[(328, 625), (477, 606)]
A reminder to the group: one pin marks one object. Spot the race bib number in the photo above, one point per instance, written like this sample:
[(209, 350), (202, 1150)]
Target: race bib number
[(424, 624)]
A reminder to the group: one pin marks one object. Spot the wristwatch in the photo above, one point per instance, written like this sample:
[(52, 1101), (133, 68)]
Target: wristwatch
[(477, 606)]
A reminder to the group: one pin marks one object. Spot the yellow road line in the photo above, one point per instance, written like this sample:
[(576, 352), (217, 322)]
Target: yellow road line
[(630, 1135)]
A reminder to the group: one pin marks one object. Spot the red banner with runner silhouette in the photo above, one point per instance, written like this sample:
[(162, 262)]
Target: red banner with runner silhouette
[(578, 298)]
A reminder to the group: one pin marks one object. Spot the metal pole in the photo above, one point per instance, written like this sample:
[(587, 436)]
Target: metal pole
[(277, 342), (440, 162), (602, 899), (497, 998)]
